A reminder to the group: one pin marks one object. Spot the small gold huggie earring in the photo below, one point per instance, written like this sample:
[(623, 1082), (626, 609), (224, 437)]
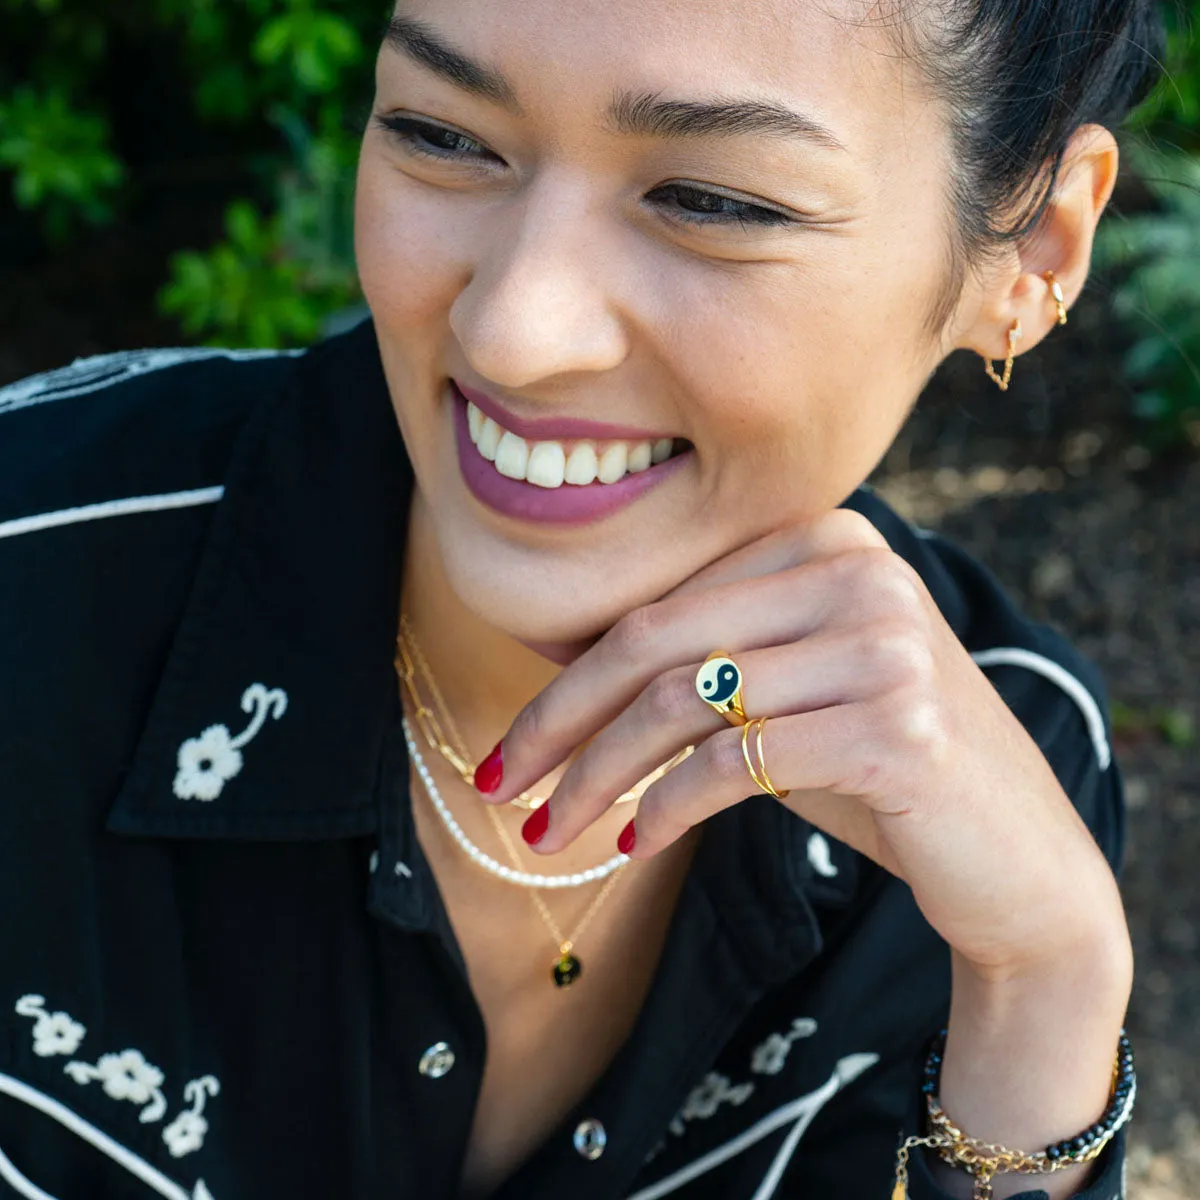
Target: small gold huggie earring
[(1001, 381), (1057, 292)]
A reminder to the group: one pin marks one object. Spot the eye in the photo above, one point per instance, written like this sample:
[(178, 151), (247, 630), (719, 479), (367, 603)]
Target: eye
[(427, 140), (696, 206)]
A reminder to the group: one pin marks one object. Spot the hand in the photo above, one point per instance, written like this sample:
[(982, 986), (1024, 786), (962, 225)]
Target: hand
[(886, 734)]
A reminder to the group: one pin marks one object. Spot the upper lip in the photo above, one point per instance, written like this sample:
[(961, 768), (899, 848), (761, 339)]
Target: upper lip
[(549, 429)]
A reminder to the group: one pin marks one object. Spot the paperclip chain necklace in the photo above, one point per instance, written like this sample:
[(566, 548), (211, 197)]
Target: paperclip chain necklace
[(567, 967), (457, 756)]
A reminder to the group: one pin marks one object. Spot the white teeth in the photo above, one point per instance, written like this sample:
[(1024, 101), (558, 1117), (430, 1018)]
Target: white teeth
[(547, 465), (512, 456), (582, 465), (639, 457), (613, 463), (489, 439)]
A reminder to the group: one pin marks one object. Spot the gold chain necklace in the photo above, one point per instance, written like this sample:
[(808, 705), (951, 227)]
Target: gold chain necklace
[(567, 967), (457, 755)]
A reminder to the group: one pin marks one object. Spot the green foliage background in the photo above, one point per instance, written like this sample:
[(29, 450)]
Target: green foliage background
[(300, 66), (301, 69)]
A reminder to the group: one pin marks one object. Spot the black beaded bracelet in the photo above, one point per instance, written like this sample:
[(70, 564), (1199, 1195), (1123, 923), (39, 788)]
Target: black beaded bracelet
[(1084, 1147)]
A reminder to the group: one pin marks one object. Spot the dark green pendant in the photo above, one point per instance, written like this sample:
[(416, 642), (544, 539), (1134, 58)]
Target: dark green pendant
[(566, 970)]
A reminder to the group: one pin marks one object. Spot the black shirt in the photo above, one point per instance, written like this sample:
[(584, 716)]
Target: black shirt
[(225, 967)]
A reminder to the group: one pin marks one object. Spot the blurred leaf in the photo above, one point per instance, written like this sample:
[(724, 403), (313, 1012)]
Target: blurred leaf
[(59, 157)]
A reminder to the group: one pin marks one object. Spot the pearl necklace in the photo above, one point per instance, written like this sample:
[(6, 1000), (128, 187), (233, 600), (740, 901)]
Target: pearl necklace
[(508, 874)]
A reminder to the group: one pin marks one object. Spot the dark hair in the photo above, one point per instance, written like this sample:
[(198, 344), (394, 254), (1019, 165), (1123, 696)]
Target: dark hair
[(1018, 77)]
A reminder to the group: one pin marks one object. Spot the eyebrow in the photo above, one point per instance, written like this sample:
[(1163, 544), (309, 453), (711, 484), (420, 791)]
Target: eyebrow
[(633, 114)]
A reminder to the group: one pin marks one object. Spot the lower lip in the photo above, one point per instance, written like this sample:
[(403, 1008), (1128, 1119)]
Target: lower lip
[(566, 505)]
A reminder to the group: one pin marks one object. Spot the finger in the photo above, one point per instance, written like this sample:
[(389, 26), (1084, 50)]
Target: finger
[(833, 533), (827, 670), (587, 695), (814, 752)]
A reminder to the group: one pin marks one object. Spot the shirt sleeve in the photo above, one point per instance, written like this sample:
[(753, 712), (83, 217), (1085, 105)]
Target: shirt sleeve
[(1060, 699)]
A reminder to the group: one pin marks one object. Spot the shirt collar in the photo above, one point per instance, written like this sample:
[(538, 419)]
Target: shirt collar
[(270, 714), (277, 713)]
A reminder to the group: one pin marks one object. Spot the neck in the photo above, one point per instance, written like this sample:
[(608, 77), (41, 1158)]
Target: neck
[(485, 675)]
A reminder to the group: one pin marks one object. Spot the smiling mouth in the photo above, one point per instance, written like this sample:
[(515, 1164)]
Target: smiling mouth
[(574, 462)]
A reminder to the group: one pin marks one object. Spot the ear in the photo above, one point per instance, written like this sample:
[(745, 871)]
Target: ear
[(1061, 242)]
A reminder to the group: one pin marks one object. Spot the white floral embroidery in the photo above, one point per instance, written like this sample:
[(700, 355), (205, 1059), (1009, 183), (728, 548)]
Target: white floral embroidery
[(207, 763), (770, 1057), (187, 1132), (53, 1033), (126, 1076), (707, 1097)]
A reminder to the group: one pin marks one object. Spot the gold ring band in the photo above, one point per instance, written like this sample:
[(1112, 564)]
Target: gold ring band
[(758, 772)]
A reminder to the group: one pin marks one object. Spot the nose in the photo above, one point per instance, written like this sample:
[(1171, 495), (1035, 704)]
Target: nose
[(537, 304)]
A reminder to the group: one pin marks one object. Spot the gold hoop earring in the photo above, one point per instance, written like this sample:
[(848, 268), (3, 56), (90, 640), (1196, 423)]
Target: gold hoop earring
[(1002, 381), (1057, 292)]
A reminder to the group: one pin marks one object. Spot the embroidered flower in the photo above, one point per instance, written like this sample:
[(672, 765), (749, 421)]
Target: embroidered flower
[(126, 1076), (206, 764), (185, 1133), (707, 1097), (53, 1033), (771, 1055)]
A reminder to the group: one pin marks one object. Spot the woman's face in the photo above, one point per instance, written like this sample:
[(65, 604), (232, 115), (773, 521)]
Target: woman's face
[(585, 237)]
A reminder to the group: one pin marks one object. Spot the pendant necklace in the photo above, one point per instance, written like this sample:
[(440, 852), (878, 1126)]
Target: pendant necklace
[(567, 967)]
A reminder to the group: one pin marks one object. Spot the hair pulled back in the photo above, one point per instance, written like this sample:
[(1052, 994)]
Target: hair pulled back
[(1018, 78)]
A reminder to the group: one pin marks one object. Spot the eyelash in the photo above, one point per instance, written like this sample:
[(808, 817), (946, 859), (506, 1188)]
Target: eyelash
[(409, 132)]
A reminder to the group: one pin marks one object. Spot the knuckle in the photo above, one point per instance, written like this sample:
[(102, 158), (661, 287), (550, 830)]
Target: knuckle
[(845, 527), (882, 581), (896, 654), (671, 698), (635, 632), (918, 725), (723, 757), (531, 724)]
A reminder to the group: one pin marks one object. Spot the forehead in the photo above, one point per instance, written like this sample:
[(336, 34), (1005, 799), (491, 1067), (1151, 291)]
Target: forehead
[(835, 60)]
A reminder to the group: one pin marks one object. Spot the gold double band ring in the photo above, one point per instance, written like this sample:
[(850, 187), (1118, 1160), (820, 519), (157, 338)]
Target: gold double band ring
[(719, 685), (758, 772)]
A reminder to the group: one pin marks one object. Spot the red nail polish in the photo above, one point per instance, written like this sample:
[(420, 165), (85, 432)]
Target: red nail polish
[(535, 828), (490, 772), (625, 842)]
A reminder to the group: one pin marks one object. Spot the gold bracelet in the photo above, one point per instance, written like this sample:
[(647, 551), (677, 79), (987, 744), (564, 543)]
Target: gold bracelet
[(985, 1160)]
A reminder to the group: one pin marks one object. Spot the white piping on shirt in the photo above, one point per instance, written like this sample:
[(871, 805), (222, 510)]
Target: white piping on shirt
[(101, 371), (802, 1110), (1014, 656), (90, 1134), (110, 508)]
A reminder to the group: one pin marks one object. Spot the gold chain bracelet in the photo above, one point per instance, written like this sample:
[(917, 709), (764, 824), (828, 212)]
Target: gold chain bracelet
[(985, 1160)]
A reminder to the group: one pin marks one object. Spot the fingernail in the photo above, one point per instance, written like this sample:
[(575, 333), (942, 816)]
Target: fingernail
[(628, 837), (490, 772), (535, 828)]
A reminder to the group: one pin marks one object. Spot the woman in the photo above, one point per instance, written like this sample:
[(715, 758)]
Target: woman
[(653, 287)]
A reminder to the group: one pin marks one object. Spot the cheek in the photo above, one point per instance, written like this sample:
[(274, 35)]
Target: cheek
[(405, 257), (806, 374)]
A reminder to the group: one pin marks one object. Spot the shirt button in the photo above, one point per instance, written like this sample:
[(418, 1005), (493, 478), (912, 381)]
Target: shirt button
[(590, 1139), (436, 1061)]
